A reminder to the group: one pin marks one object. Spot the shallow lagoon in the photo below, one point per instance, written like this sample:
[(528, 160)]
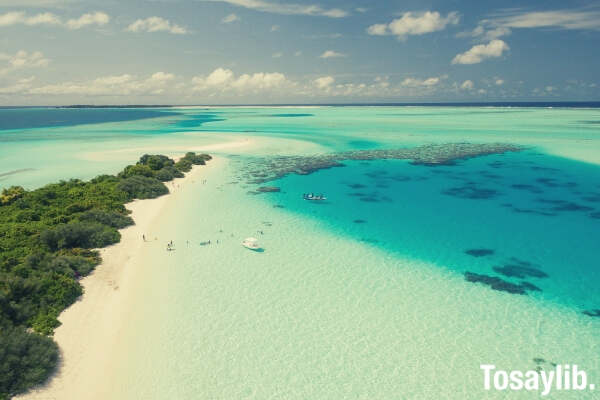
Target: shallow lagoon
[(363, 295)]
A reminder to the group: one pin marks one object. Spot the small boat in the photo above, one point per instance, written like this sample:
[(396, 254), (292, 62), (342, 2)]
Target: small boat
[(313, 197), (251, 243)]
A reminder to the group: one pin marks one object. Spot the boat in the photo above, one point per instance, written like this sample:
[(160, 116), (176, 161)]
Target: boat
[(313, 197), (251, 243)]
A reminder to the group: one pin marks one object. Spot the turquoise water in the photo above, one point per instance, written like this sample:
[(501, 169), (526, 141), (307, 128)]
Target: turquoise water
[(361, 296), (525, 207)]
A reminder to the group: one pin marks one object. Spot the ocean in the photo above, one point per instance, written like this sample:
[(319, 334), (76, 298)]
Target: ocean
[(366, 294)]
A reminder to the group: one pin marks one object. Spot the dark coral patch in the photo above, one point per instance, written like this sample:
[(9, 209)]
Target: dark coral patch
[(592, 313), (530, 286), (471, 192), (370, 199), (595, 215), (495, 283), (479, 252), (529, 188), (520, 271), (564, 205), (356, 185), (359, 221)]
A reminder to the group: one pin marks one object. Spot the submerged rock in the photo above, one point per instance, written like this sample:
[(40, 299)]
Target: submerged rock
[(592, 313), (268, 189), (500, 284)]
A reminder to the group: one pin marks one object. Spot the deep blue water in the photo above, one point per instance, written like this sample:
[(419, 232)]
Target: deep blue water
[(25, 118), (531, 213)]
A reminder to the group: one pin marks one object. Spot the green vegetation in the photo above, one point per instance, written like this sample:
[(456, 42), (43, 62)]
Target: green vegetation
[(47, 242)]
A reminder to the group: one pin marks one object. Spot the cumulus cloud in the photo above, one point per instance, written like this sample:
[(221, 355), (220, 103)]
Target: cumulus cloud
[(222, 79), (324, 82), (277, 55), (156, 24), (480, 52), (97, 18), (275, 28), (411, 23), (287, 9), (230, 18), (22, 59), (331, 54), (499, 82), (467, 85), (113, 85), (414, 82)]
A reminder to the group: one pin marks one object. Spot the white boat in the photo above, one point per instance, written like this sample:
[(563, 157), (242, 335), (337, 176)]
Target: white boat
[(251, 243), (313, 197)]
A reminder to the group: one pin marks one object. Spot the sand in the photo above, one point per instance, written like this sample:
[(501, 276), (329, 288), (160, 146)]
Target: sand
[(91, 325)]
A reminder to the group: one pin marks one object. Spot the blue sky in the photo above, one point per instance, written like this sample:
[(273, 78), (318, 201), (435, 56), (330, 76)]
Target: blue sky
[(293, 51)]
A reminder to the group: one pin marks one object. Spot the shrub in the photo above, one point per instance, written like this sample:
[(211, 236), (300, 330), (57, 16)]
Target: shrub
[(110, 218), (26, 360), (79, 234), (183, 165), (11, 194), (168, 174), (141, 187), (197, 159), (155, 162), (138, 169)]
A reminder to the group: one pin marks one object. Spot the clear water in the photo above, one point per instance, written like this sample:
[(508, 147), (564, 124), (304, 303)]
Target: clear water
[(339, 309)]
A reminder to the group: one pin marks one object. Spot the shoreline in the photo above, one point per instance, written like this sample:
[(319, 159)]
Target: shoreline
[(90, 325)]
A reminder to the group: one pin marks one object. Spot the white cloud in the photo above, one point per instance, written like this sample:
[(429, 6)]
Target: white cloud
[(486, 33), (499, 82), (564, 19), (287, 8), (113, 85), (20, 86), (277, 55), (378, 30), (275, 28), (502, 24), (324, 82), (298, 53), (479, 52), (411, 23), (222, 79), (331, 54), (230, 18), (156, 24), (36, 3), (20, 18), (467, 85), (96, 18), (361, 9), (414, 82), (22, 59)]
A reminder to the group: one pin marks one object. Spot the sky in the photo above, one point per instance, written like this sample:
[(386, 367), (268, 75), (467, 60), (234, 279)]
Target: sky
[(58, 52)]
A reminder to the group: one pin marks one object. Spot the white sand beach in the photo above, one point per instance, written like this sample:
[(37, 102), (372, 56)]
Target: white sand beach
[(91, 325)]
